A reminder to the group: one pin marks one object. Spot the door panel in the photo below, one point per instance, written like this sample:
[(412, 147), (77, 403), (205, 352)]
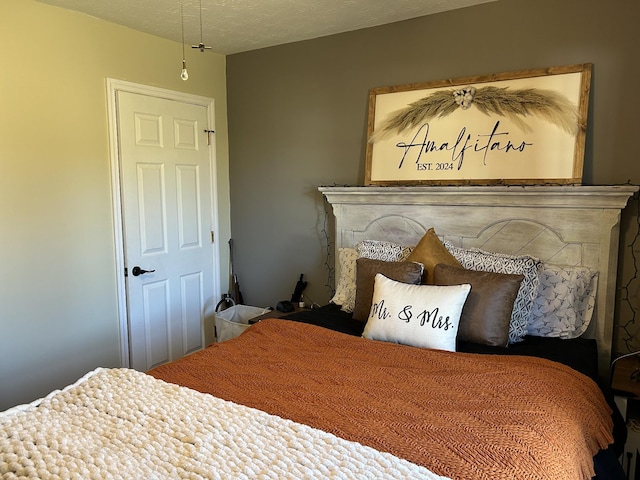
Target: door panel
[(190, 229), (156, 313), (152, 209), (167, 210), (191, 292)]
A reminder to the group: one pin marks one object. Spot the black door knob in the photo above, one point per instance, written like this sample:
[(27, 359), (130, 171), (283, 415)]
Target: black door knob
[(135, 271)]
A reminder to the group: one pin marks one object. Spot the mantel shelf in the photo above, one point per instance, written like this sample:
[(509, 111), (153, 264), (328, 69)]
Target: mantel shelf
[(574, 196)]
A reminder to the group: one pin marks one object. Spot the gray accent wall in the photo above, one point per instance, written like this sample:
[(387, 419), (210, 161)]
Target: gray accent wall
[(297, 118)]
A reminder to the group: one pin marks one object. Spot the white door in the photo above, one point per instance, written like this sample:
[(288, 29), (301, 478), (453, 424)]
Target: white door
[(166, 187)]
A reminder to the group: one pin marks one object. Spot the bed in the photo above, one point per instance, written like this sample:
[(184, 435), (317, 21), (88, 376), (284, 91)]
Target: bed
[(324, 394)]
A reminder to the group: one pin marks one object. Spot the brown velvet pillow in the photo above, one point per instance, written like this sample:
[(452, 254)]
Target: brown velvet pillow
[(430, 252), (366, 270), (487, 312)]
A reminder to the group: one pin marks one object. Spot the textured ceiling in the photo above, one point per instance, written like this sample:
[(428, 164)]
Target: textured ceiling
[(232, 26)]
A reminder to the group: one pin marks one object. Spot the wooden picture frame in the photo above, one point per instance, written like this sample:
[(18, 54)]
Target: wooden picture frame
[(514, 128)]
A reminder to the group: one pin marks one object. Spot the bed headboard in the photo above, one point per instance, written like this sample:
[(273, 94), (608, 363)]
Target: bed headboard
[(563, 225)]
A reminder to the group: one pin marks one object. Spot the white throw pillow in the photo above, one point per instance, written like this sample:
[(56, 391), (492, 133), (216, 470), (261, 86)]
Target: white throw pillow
[(345, 295), (425, 316)]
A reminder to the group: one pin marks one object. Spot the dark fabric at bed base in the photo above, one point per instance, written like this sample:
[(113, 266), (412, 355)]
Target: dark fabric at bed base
[(607, 465), (580, 354)]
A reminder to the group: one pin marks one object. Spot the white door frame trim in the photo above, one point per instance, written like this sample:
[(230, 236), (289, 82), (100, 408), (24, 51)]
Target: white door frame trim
[(113, 87)]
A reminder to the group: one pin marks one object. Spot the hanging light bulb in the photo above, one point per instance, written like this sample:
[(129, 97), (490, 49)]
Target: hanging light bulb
[(184, 75)]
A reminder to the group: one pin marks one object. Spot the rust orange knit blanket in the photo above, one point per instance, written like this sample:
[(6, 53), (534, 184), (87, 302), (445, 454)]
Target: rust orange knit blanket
[(464, 416)]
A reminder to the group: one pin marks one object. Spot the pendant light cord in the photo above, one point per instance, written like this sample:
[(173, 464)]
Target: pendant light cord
[(182, 26), (201, 37)]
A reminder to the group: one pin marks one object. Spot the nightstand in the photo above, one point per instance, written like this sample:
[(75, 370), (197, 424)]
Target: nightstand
[(277, 314), (625, 382), (630, 409)]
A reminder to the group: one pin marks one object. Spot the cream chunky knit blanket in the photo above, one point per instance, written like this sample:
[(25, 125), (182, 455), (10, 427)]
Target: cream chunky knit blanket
[(119, 423)]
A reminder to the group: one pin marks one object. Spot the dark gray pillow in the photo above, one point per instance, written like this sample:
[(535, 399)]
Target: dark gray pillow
[(487, 312), (366, 270)]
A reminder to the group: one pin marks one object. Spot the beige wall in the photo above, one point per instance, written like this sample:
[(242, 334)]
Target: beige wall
[(58, 306), (297, 118)]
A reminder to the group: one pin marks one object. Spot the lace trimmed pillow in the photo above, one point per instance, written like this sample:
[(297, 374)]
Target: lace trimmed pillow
[(381, 250), (345, 295), (476, 259), (565, 301)]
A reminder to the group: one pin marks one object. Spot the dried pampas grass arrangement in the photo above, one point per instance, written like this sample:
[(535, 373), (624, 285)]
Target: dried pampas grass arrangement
[(512, 104)]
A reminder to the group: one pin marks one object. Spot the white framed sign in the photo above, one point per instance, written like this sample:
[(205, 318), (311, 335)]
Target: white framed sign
[(525, 127)]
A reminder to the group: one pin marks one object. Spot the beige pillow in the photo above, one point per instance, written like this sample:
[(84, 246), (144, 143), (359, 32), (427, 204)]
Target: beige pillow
[(430, 252), (366, 270), (487, 312), (345, 295)]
